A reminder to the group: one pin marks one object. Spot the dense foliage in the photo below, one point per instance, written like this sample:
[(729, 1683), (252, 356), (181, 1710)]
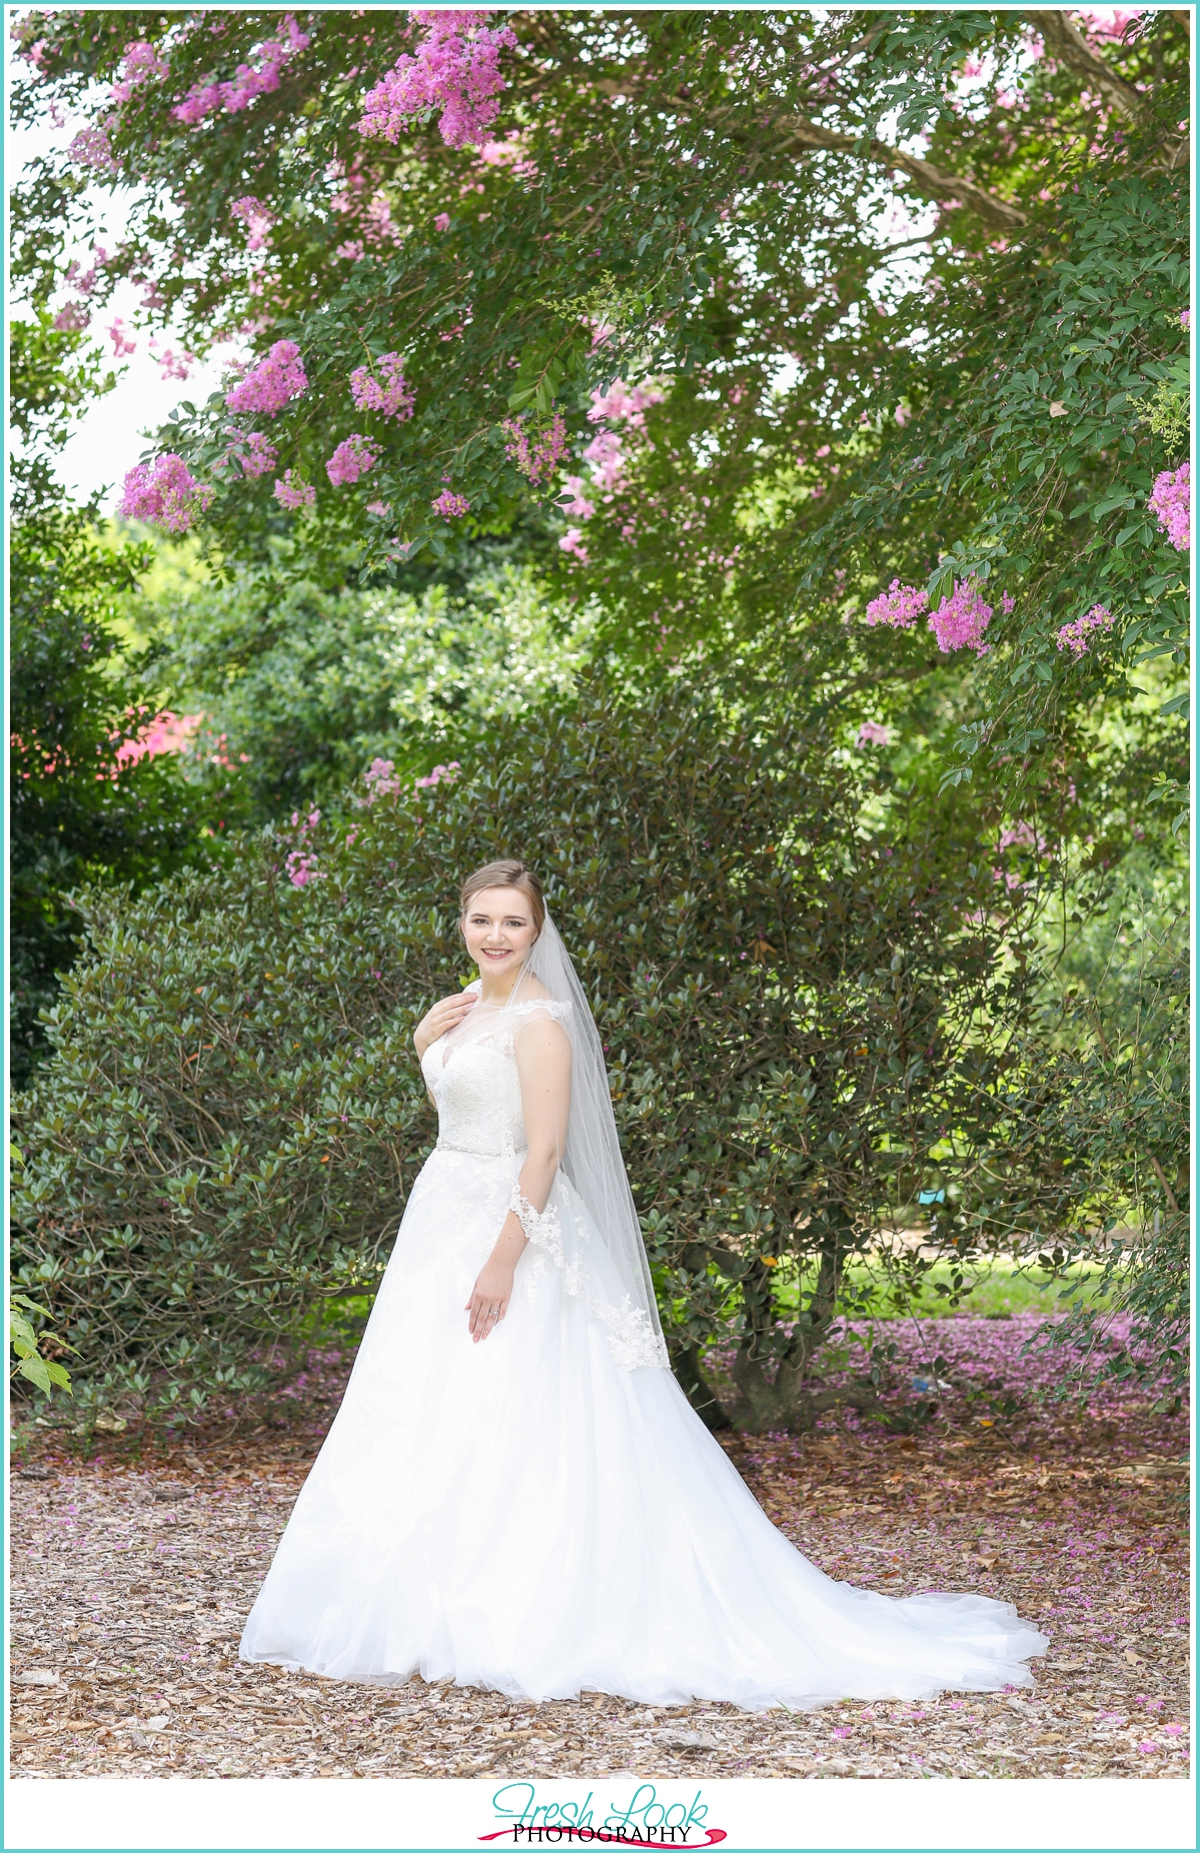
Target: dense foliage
[(82, 805), (796, 1012)]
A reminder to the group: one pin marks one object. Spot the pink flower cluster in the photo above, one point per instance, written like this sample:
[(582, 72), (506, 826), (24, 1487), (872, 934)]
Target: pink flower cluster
[(871, 733), (172, 366), (353, 457), (572, 542), (1022, 835), (623, 403), (166, 733), (1185, 319), (1171, 501), (900, 606), (166, 494), (536, 451), (455, 68), (257, 218), (449, 505), (579, 506), (302, 867), (437, 775), (391, 396), (292, 493), (268, 387), (92, 148), (380, 779), (118, 334), (141, 61), (251, 80), (1076, 637), (259, 457), (960, 620), (72, 319)]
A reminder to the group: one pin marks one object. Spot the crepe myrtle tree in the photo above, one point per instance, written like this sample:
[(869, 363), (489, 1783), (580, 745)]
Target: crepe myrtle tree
[(762, 310), (805, 1021)]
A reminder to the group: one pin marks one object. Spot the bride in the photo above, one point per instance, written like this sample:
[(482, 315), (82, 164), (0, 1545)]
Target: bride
[(515, 1493)]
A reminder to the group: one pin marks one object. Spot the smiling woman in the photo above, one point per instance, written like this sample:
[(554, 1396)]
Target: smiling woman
[(516, 1494)]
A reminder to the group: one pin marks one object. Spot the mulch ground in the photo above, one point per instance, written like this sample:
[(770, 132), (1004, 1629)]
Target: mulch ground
[(133, 1570)]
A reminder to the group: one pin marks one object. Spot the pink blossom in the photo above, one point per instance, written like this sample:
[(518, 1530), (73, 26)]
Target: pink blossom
[(606, 455), (380, 779), (619, 401), (250, 80), (1185, 318), (391, 397), (353, 457), (292, 493), (572, 542), (379, 221), (900, 606), (381, 509), (268, 387), (353, 250), (442, 221), (1107, 22), (449, 505), (538, 459), (91, 148), (165, 493), (173, 366), (1171, 501), (166, 733), (302, 868), (871, 733), (119, 335), (1076, 637), (1022, 836), (960, 620), (455, 69), (140, 62), (72, 319), (85, 281), (259, 457), (438, 774), (257, 218), (579, 506)]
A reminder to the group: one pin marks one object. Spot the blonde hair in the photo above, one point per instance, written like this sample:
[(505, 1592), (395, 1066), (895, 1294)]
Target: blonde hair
[(506, 874)]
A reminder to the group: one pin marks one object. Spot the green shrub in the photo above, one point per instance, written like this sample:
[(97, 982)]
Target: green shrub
[(796, 1011)]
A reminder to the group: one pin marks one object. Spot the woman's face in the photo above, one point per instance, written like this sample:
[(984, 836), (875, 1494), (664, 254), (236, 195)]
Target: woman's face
[(498, 928)]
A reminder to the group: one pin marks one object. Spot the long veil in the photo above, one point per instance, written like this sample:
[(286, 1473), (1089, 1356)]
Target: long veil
[(595, 1168)]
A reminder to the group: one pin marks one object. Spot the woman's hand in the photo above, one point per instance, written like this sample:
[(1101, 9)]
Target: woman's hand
[(445, 1014), (489, 1298)]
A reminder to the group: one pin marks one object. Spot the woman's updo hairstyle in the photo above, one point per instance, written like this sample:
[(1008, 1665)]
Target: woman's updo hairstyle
[(507, 875)]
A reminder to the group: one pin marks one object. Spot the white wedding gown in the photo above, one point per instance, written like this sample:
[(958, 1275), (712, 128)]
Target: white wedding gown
[(531, 1515)]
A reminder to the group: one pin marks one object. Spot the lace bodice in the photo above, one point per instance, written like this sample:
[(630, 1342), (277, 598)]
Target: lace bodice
[(476, 1087)]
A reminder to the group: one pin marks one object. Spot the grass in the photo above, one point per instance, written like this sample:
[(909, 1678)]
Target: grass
[(996, 1291)]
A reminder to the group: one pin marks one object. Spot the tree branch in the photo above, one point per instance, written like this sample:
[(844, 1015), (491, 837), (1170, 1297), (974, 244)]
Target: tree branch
[(1068, 47), (930, 180)]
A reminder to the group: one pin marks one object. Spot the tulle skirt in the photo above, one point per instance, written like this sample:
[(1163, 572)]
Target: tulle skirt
[(523, 1515)]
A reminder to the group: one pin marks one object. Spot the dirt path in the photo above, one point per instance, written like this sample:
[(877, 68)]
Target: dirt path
[(131, 1580)]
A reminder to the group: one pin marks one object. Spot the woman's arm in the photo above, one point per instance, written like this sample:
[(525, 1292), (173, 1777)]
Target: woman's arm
[(544, 1067)]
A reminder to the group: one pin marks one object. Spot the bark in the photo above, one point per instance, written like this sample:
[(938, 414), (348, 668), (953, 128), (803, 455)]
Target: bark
[(1067, 46), (933, 181)]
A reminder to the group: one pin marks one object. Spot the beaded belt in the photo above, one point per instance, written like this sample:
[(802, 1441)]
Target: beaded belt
[(472, 1151)]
